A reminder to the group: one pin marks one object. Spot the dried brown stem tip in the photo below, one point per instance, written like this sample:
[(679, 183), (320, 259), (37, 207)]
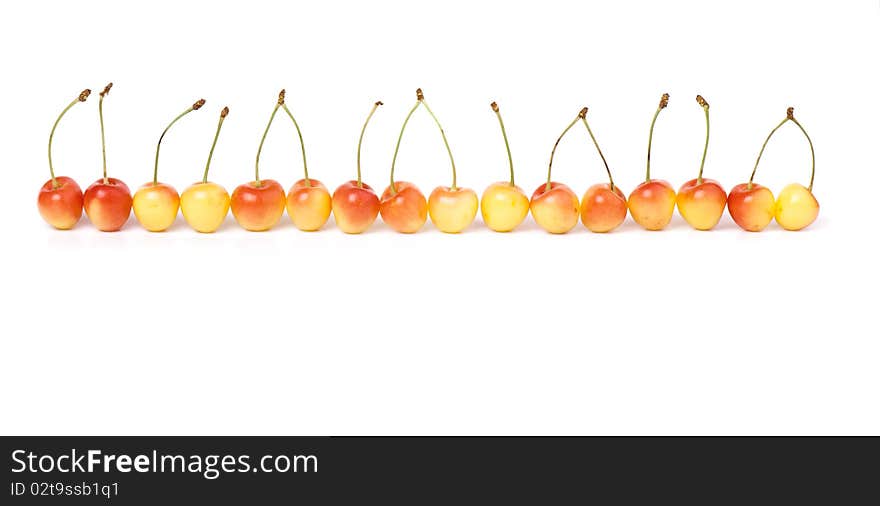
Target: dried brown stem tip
[(198, 105), (281, 95), (379, 102), (224, 112), (702, 101), (790, 113), (494, 106), (84, 95), (664, 101), (419, 95), (583, 113), (106, 89)]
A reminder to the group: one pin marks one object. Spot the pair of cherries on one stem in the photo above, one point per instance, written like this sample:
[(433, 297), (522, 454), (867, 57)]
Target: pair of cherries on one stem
[(556, 208), (258, 205), (107, 201), (403, 206)]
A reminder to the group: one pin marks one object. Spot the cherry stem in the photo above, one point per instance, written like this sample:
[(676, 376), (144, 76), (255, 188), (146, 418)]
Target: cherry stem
[(361, 140), (705, 106), (301, 144), (263, 140), (812, 152), (189, 109), (789, 116), (101, 118), (81, 98), (664, 101), (442, 134), (553, 152), (399, 138), (506, 144), (223, 115), (583, 118)]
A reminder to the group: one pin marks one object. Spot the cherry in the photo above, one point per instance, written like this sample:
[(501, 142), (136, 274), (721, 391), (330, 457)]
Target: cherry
[(155, 204), (504, 205), (355, 204), (107, 201), (652, 202), (701, 201), (60, 200)]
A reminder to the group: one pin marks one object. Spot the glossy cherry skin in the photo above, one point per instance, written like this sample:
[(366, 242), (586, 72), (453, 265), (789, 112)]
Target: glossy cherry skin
[(355, 207), (555, 209), (751, 208), (603, 209), (155, 206), (258, 206), (309, 204), (405, 210), (701, 204), (60, 203), (108, 205), (651, 204)]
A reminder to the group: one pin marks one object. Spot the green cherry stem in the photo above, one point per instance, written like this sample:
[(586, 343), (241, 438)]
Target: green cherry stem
[(583, 117), (812, 152), (195, 107), (399, 138), (506, 144), (764, 146), (789, 116), (553, 152), (664, 101), (705, 106), (361, 140), (299, 133), (263, 139), (223, 115), (421, 98), (101, 119), (81, 98)]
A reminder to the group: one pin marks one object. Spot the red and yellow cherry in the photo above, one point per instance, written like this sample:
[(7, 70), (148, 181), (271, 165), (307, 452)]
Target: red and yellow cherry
[(107, 201), (603, 206), (308, 201), (204, 204), (652, 202), (452, 209), (309, 204), (554, 206), (751, 206), (60, 200), (355, 204), (700, 201), (796, 206), (402, 205), (155, 204), (504, 205), (258, 205)]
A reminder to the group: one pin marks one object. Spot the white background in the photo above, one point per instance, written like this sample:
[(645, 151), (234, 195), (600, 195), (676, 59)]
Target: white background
[(285, 332)]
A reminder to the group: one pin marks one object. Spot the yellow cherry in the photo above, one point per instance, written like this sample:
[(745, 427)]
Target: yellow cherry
[(155, 206), (796, 207), (504, 206), (204, 205)]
